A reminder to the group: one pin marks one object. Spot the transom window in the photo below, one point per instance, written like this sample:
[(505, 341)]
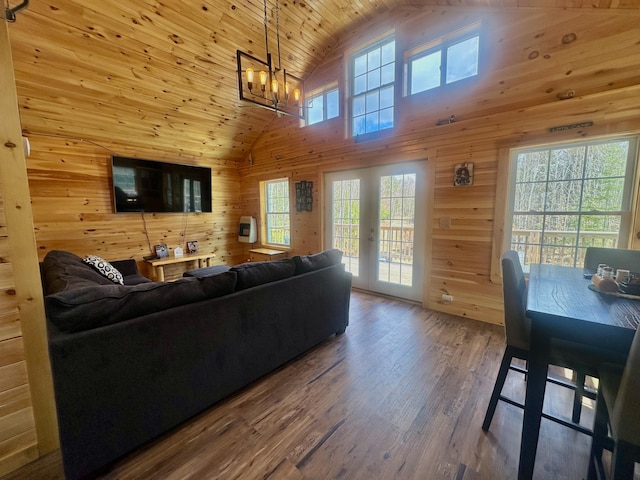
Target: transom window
[(566, 198), (323, 106), (443, 64), (373, 76), (277, 227)]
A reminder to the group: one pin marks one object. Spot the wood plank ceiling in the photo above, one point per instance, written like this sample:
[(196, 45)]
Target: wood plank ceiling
[(158, 76)]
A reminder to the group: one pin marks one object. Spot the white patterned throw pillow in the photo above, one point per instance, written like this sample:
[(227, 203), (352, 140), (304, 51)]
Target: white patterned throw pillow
[(105, 268)]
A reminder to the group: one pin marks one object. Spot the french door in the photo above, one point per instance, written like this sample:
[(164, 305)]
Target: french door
[(376, 216)]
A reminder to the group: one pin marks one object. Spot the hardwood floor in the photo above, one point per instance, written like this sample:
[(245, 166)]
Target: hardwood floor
[(401, 395)]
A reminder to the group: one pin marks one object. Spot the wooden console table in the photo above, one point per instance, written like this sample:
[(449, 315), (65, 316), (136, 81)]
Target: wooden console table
[(262, 254), (200, 260)]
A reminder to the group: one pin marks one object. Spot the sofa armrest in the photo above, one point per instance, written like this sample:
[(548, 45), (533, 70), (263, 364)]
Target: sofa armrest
[(126, 267)]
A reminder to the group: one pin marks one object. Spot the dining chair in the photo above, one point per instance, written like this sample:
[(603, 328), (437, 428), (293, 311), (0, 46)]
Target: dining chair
[(614, 257), (618, 406), (517, 332)]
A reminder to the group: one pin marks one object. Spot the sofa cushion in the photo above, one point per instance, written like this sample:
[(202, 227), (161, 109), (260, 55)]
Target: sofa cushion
[(206, 271), (94, 306), (104, 268), (63, 270), (219, 284), (135, 279), (251, 274), (309, 263)]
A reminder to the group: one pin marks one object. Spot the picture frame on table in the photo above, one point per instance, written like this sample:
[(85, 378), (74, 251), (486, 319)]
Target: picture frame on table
[(161, 250), (192, 247)]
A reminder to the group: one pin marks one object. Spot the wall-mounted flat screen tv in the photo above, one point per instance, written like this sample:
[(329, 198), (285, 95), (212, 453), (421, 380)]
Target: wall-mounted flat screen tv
[(156, 187)]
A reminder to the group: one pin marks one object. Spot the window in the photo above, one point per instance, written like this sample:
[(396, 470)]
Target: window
[(275, 196), (323, 106), (192, 195), (565, 198), (373, 76), (443, 64), (125, 179)]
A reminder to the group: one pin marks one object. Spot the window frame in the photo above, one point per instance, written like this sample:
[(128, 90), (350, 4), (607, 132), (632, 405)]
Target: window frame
[(505, 194), (264, 207), (365, 50), (324, 92), (442, 45)]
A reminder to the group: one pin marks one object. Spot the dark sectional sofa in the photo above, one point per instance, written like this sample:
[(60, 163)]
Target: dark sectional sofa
[(131, 361)]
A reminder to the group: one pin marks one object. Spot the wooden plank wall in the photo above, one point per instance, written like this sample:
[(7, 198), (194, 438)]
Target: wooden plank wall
[(18, 442), (28, 425), (70, 182), (529, 60), (77, 77)]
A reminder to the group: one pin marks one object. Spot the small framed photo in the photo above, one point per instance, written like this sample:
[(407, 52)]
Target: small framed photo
[(192, 247), (161, 250), (463, 174)]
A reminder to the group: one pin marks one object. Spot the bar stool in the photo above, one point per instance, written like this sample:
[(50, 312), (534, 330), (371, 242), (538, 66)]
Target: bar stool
[(517, 332), (618, 405)]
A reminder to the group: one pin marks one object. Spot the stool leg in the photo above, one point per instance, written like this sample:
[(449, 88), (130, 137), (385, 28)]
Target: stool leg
[(597, 441), (622, 461), (497, 388), (577, 398)]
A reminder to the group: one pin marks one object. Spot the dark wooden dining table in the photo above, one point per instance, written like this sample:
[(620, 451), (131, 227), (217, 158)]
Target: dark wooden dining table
[(562, 306)]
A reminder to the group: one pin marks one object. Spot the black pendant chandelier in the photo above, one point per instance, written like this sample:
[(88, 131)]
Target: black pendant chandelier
[(264, 84)]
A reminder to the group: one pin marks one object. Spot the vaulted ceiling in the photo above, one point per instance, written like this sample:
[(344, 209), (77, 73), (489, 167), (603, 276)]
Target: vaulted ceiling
[(159, 76)]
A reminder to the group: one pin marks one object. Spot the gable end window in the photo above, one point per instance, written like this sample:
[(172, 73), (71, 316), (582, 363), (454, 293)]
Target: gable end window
[(373, 87), (444, 64), (323, 106)]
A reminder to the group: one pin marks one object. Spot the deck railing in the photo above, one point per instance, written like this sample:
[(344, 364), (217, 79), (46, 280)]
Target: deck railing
[(559, 247), (396, 242)]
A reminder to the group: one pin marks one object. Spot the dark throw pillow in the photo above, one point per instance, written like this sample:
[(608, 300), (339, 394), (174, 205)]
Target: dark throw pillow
[(309, 263)]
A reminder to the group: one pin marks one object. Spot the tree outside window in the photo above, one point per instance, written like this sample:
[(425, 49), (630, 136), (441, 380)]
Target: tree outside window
[(277, 220), (567, 198)]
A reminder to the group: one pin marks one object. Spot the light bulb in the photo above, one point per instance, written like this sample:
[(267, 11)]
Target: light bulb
[(296, 95), (263, 79), (250, 78)]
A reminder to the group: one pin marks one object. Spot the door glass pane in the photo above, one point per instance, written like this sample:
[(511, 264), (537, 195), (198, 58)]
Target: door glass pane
[(346, 222), (396, 235)]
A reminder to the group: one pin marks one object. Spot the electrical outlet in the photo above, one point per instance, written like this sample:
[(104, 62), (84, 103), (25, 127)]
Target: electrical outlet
[(445, 222), (447, 298)]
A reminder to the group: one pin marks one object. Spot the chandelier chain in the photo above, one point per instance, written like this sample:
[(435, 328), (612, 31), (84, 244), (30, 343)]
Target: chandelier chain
[(278, 33), (266, 31)]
